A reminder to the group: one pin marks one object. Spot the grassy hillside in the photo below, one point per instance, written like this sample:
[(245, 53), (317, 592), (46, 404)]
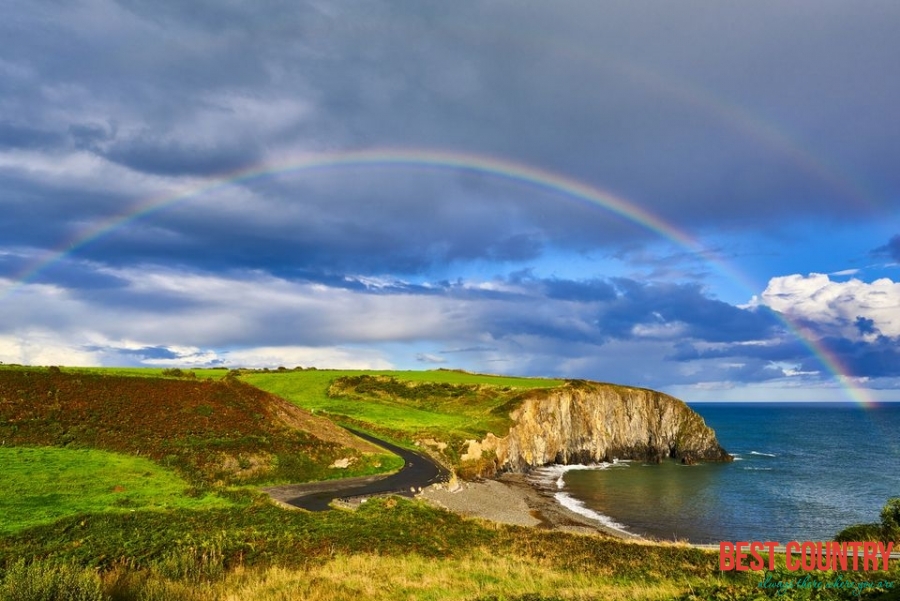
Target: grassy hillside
[(388, 549), (448, 406), (212, 432)]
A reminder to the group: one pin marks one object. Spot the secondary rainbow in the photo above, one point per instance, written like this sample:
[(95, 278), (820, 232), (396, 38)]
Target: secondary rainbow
[(443, 160)]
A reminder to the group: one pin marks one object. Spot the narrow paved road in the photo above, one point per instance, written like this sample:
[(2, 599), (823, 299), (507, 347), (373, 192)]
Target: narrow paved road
[(417, 472)]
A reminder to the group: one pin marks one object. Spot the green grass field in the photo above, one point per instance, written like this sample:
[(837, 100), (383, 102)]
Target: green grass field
[(42, 484), (465, 410), (146, 372)]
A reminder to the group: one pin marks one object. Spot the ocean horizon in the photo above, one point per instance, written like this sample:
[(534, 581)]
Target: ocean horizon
[(802, 471)]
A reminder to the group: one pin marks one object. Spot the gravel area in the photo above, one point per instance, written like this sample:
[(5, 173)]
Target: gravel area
[(511, 499), (489, 500)]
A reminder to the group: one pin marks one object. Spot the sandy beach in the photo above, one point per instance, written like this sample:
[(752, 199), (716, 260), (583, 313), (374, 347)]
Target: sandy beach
[(511, 499)]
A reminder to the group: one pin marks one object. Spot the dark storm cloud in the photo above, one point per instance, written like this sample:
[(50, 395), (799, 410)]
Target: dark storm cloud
[(177, 157), (518, 247), (472, 349), (76, 276), (42, 215), (891, 249), (865, 326), (408, 225), (88, 136), (625, 310), (773, 351), (150, 352), (426, 358), (866, 359), (642, 102), (77, 136), (704, 318), (580, 291), (71, 275), (22, 136), (872, 359)]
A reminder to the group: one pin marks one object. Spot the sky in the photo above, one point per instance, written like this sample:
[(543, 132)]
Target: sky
[(697, 197)]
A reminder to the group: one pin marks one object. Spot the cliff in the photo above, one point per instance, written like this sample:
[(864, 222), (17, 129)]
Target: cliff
[(585, 422)]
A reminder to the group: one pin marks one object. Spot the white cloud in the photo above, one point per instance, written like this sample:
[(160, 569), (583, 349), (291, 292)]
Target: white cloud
[(42, 347), (833, 307), (319, 357), (85, 172), (158, 316), (189, 313)]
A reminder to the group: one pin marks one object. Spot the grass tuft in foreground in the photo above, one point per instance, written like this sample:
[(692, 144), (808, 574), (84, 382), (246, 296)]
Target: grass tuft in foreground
[(45, 581), (388, 549)]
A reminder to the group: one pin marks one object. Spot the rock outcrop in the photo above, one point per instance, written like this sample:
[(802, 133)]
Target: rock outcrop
[(585, 422)]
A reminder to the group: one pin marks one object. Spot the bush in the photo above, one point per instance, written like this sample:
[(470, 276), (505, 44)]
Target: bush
[(176, 372), (859, 533), (890, 520), (48, 582)]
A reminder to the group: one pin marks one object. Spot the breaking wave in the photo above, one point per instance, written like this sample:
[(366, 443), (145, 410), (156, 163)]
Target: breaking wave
[(576, 506), (549, 476)]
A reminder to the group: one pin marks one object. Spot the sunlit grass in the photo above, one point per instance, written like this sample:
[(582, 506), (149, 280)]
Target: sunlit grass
[(408, 418), (481, 575), (147, 372), (41, 485)]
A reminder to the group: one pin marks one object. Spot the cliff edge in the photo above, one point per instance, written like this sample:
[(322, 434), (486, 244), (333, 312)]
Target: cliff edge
[(585, 422)]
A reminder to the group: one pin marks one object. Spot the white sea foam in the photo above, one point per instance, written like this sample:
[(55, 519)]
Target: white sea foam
[(554, 475), (758, 469), (763, 454), (576, 506)]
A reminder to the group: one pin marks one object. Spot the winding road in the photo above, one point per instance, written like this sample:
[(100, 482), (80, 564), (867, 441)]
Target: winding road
[(417, 472)]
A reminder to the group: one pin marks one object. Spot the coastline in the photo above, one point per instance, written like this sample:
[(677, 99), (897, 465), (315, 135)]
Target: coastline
[(512, 499)]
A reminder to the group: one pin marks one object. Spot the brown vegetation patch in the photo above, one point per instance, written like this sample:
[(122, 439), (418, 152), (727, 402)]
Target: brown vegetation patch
[(222, 431)]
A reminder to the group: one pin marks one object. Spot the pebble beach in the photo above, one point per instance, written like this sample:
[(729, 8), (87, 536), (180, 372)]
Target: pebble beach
[(512, 499)]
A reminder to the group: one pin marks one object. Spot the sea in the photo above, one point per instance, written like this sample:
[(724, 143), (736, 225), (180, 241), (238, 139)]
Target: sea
[(802, 471)]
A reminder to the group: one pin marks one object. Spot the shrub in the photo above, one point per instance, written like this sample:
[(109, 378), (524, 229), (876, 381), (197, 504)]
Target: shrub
[(890, 519), (176, 372), (859, 532)]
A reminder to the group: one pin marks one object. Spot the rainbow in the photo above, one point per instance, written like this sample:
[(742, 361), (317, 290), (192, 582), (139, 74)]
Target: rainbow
[(520, 173)]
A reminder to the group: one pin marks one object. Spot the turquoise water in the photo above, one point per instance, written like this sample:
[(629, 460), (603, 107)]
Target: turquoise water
[(804, 471)]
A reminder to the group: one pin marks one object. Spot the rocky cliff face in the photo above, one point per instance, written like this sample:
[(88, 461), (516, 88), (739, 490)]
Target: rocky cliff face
[(587, 422)]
